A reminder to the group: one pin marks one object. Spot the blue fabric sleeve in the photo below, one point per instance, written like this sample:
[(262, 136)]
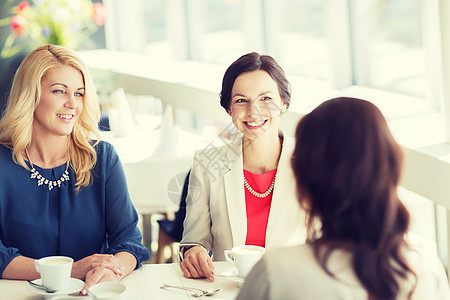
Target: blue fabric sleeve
[(6, 256), (121, 216)]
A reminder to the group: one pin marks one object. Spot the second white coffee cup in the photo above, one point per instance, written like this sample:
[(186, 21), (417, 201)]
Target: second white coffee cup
[(244, 257), (55, 271)]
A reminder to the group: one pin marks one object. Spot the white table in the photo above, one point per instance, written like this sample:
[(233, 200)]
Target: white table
[(144, 284)]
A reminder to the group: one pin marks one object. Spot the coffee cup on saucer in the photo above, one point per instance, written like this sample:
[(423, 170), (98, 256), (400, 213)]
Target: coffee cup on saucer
[(55, 271), (244, 257), (108, 291)]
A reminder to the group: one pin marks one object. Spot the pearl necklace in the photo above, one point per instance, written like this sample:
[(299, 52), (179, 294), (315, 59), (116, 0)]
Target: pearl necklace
[(42, 180), (255, 193)]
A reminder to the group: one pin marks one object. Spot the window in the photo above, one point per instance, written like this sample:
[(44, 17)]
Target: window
[(296, 36), (155, 27), (388, 47), (391, 46), (216, 32)]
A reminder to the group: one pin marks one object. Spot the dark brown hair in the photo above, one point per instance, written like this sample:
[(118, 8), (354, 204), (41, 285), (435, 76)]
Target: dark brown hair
[(253, 62), (347, 167)]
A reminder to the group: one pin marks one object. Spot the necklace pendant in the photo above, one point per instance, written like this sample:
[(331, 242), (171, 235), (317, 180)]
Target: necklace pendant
[(42, 180)]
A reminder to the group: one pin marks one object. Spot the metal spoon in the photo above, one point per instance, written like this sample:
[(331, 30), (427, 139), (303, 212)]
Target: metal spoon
[(212, 292), (42, 287), (195, 292)]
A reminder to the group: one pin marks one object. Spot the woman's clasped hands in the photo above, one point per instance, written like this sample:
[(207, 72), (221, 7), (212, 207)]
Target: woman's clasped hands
[(97, 268)]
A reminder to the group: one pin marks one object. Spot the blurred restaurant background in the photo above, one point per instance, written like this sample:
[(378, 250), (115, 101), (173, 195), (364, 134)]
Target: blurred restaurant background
[(158, 65)]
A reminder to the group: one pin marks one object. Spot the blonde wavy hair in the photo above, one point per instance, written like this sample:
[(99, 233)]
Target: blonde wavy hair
[(16, 123)]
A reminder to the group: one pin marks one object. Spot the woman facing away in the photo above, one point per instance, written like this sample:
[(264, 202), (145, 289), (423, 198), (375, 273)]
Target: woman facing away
[(244, 192), (347, 166), (62, 191)]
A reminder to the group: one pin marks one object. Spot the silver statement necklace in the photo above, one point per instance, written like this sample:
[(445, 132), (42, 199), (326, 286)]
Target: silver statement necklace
[(260, 195), (42, 180)]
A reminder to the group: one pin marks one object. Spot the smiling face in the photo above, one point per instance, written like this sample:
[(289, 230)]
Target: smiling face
[(61, 102), (256, 105)]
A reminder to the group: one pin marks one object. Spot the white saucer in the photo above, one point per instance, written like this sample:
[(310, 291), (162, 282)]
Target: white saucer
[(232, 275), (75, 285)]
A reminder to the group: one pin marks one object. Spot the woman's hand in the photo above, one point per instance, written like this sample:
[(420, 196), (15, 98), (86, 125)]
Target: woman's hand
[(197, 264), (81, 268), (104, 267), (97, 275)]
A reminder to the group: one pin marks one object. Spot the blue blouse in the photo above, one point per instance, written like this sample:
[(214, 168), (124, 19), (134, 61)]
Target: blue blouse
[(36, 222)]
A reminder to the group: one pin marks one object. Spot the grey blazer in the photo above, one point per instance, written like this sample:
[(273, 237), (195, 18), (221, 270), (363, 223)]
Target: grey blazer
[(215, 210)]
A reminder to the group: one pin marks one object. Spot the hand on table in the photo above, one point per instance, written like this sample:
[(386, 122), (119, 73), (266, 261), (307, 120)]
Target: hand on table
[(97, 275), (197, 264), (96, 268), (83, 266)]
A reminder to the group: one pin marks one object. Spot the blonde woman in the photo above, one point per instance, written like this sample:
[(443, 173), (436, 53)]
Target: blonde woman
[(62, 191)]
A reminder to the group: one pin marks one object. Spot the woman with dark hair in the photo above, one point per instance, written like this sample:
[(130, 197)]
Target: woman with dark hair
[(347, 166), (246, 195)]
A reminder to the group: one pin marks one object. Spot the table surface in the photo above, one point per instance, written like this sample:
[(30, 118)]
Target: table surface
[(145, 283)]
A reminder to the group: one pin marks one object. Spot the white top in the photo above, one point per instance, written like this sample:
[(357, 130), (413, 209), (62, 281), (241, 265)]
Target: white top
[(294, 273)]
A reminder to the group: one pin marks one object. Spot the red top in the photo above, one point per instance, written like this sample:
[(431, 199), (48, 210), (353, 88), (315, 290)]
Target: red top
[(258, 208)]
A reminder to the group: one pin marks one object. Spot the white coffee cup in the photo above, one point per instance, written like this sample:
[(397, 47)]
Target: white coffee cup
[(108, 291), (55, 271), (244, 257)]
